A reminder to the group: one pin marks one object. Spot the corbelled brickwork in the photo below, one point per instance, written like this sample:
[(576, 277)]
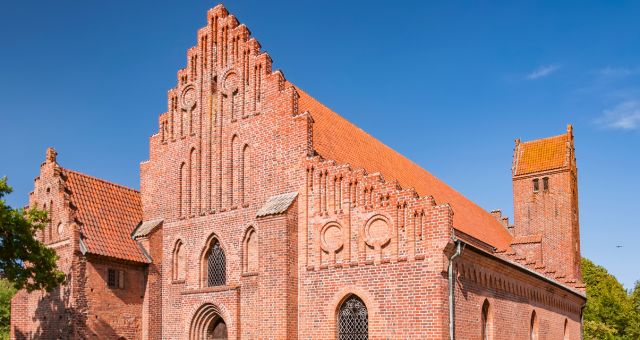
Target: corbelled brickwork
[(265, 215)]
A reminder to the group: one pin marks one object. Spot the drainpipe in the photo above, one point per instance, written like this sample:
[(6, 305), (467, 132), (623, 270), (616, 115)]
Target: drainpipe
[(451, 289)]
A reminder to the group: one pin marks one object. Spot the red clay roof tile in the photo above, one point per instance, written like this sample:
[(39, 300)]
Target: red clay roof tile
[(108, 213), (542, 155), (337, 139)]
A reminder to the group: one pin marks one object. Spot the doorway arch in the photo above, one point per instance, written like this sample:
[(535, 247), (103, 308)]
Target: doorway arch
[(208, 324)]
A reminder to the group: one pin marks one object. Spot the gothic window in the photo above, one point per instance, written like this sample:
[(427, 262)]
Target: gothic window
[(178, 262), (536, 185), (353, 319), (486, 321), (533, 328), (566, 331), (250, 252), (215, 265), (545, 183)]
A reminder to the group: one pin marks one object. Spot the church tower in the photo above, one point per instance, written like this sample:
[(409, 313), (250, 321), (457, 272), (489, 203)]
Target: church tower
[(545, 196)]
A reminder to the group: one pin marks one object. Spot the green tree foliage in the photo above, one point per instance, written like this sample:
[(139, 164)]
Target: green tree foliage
[(25, 261), (611, 313), (6, 293), (634, 328)]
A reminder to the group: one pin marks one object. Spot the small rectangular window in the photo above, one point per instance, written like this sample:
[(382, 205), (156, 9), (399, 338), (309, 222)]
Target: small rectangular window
[(536, 185), (111, 278), (121, 279), (115, 278), (545, 183)]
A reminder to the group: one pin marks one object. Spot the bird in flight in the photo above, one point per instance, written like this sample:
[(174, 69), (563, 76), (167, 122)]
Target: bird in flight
[(618, 246)]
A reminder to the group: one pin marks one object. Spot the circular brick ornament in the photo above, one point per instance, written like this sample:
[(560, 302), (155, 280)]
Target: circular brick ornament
[(377, 232), (188, 97), (332, 237)]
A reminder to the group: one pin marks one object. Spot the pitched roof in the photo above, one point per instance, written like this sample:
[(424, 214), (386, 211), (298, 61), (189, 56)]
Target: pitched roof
[(541, 154), (337, 139), (108, 213)]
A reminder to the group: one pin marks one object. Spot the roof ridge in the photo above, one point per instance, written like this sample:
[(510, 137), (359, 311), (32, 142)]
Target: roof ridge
[(544, 138), (99, 179)]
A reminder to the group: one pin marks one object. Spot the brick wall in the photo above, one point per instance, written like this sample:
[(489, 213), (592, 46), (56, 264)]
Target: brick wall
[(230, 139), (553, 214), (152, 303), (112, 311), (42, 314), (367, 237), (513, 295)]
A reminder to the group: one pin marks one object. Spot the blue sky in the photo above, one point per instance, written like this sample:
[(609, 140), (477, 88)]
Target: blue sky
[(450, 85)]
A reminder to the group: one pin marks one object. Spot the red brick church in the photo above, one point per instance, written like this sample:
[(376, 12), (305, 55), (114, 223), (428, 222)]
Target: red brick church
[(262, 214)]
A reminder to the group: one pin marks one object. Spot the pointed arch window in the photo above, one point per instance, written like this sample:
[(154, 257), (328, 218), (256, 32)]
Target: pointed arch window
[(353, 319), (486, 320), (533, 329), (215, 265), (178, 262), (250, 252)]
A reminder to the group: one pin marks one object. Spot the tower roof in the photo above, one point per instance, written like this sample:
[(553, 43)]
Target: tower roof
[(543, 154)]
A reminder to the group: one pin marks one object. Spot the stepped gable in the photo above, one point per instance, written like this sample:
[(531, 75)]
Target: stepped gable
[(543, 154), (337, 139), (107, 213)]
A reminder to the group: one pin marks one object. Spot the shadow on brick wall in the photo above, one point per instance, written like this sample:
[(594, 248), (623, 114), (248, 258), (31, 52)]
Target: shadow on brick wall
[(56, 318)]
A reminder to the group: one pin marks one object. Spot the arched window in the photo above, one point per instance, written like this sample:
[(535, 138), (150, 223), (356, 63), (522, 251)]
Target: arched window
[(536, 185), (533, 329), (178, 261), (486, 320), (353, 319), (545, 183), (215, 265), (566, 330), (250, 252)]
